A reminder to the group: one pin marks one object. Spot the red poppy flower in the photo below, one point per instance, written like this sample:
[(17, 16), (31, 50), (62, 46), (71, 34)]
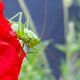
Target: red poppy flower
[(10, 61)]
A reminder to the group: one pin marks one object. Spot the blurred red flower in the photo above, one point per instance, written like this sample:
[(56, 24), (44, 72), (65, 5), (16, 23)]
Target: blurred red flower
[(10, 61)]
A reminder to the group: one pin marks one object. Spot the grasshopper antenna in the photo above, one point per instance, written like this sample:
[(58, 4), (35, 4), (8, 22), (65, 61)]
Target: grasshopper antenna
[(45, 19)]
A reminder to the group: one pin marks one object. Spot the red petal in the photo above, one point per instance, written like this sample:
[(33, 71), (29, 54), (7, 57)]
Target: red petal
[(10, 63)]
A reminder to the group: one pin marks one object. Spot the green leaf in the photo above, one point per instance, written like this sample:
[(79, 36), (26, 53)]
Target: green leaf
[(77, 63), (61, 47), (47, 42)]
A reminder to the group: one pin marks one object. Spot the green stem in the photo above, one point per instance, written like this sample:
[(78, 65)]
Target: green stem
[(66, 20), (70, 76)]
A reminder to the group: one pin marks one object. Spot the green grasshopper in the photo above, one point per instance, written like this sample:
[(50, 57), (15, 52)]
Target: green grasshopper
[(25, 35), (22, 31)]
